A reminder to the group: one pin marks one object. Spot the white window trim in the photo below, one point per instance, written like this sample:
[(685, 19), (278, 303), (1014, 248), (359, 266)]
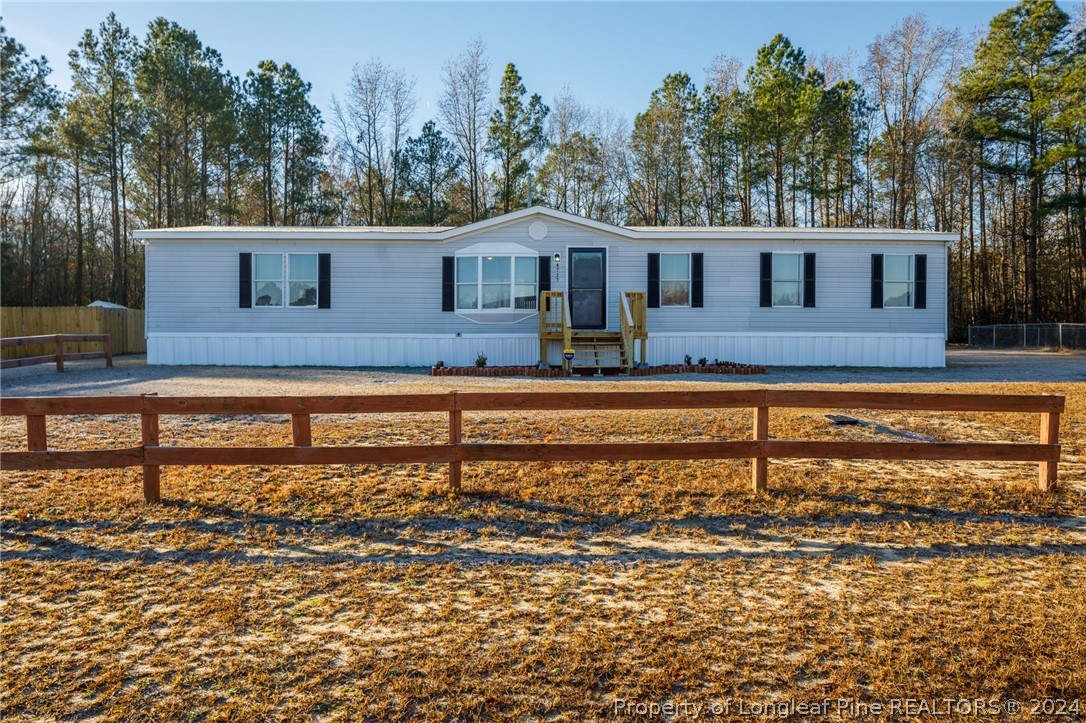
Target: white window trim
[(773, 280), (284, 280), (911, 282), (511, 309), (689, 279)]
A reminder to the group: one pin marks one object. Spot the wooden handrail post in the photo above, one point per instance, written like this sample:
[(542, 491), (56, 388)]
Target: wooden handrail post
[(107, 348), (455, 466), (35, 433), (759, 466), (151, 472), (58, 345), (1050, 434), (301, 430)]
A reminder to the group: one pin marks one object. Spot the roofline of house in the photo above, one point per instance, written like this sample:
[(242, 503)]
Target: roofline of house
[(443, 234)]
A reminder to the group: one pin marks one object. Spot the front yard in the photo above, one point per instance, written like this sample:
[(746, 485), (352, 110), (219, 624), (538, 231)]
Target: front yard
[(560, 591)]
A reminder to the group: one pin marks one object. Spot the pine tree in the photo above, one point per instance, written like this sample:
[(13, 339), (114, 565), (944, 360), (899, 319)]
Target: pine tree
[(430, 164), (516, 130), (102, 70), (1011, 90)]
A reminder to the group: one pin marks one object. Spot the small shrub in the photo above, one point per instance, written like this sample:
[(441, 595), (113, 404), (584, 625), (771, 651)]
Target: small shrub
[(480, 360), (703, 361), (688, 360)]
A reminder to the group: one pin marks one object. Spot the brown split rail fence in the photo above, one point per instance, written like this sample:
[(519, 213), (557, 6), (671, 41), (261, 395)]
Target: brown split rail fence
[(59, 356), (759, 449), (124, 326)]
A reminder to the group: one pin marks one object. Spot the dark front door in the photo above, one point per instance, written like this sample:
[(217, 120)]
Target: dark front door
[(588, 288)]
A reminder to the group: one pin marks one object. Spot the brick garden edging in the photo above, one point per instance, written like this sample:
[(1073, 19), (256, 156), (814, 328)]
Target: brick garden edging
[(534, 371)]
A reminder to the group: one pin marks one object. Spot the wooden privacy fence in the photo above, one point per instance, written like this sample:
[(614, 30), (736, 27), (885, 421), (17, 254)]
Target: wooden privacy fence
[(125, 327), (58, 356), (760, 448)]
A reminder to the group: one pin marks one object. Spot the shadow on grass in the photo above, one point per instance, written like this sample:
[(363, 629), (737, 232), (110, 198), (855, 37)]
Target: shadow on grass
[(572, 536)]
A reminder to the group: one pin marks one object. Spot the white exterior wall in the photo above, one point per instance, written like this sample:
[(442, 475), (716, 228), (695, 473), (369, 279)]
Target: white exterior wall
[(386, 304)]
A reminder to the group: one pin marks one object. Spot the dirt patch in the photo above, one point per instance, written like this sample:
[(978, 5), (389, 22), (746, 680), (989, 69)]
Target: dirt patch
[(545, 591)]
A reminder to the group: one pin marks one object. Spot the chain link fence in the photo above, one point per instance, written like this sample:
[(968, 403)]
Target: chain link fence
[(1005, 336)]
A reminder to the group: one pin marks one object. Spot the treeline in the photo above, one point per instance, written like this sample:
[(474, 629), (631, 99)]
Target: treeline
[(929, 130)]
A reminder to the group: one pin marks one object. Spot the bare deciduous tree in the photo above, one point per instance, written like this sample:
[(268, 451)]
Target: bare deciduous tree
[(465, 112), (908, 73), (372, 129)]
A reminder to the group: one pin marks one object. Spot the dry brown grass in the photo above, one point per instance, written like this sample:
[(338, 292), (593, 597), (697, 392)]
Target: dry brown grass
[(546, 590)]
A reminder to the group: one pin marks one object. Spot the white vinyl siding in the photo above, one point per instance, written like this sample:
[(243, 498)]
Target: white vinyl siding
[(394, 287)]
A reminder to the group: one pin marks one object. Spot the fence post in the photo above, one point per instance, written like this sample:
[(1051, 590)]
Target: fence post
[(151, 472), (1050, 434), (301, 430), (455, 418), (107, 349), (759, 466), (35, 433), (58, 345)]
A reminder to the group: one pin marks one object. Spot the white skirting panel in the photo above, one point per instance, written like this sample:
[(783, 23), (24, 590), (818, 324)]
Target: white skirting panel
[(831, 349), (423, 350), (341, 350)]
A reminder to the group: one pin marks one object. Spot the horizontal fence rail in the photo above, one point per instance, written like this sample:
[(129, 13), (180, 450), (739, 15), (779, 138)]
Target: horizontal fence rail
[(759, 449), (58, 357)]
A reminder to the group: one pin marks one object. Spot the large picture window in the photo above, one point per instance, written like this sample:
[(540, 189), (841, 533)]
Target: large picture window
[(897, 285), (289, 277), (787, 279), (497, 283), (674, 279)]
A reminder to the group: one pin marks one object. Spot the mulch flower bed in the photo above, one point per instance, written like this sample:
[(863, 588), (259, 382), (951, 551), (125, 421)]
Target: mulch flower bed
[(440, 370), (721, 368)]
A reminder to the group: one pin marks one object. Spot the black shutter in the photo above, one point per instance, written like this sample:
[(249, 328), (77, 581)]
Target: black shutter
[(876, 281), (245, 281), (697, 280), (920, 300), (653, 290), (809, 281), (766, 296), (324, 281), (448, 283), (544, 274)]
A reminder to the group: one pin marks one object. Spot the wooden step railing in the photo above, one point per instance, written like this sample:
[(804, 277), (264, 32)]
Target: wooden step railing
[(637, 304), (554, 323), (626, 323)]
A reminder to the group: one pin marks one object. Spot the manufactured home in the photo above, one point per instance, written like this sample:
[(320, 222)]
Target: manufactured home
[(521, 288)]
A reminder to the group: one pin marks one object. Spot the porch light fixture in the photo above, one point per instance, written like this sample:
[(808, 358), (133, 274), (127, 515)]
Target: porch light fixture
[(557, 260)]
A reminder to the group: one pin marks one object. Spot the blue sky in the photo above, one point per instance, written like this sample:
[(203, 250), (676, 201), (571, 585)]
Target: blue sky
[(610, 54)]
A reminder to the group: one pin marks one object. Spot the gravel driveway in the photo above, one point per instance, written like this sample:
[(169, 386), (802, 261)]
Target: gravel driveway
[(131, 375)]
